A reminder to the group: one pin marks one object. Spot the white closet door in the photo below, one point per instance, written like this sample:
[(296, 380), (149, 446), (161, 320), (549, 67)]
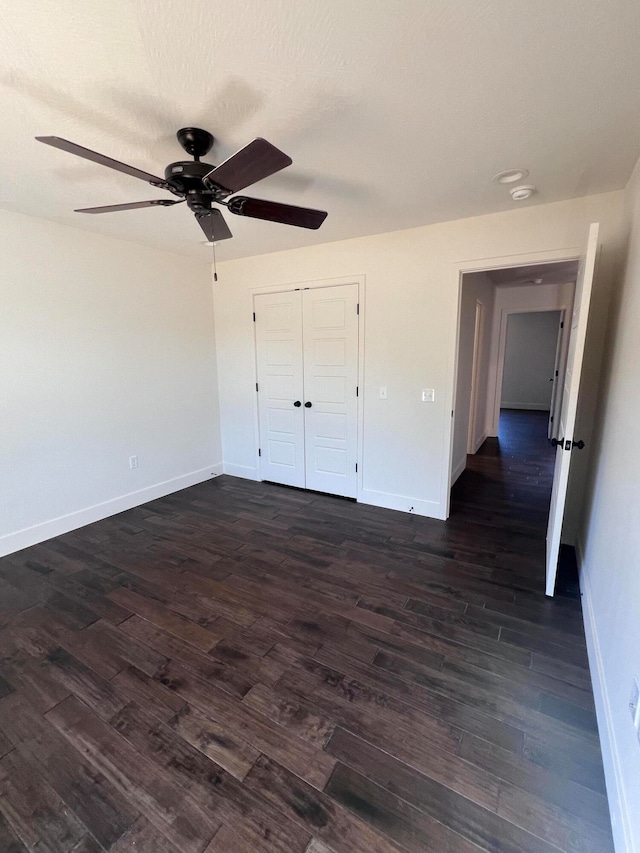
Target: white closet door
[(280, 387), (330, 333)]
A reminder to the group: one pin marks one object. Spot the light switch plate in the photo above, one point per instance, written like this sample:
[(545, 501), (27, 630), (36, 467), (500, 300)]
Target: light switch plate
[(428, 395), (383, 392)]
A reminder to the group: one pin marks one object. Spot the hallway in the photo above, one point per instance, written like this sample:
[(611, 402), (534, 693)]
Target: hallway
[(245, 667)]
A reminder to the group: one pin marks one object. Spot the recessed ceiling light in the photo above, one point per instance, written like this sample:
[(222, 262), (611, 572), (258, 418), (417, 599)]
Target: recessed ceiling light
[(521, 193), (537, 281), (510, 176)]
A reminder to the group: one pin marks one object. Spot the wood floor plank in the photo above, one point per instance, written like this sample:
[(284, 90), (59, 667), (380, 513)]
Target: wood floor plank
[(153, 791), (315, 811), (476, 824), (33, 810), (210, 788), (143, 837), (300, 757), (98, 804)]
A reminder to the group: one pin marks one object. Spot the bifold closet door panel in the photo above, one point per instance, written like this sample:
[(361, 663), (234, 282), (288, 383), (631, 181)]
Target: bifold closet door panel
[(280, 387), (330, 347)]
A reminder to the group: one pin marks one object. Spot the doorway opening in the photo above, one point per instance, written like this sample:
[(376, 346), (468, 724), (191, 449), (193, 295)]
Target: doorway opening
[(513, 341)]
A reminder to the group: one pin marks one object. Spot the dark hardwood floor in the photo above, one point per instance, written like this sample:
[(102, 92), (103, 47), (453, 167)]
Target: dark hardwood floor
[(246, 667)]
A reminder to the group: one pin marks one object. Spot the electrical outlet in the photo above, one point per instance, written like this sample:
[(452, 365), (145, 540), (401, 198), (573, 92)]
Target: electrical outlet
[(634, 704), (133, 462)]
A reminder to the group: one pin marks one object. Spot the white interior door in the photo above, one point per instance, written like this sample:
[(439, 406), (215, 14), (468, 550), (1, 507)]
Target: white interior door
[(569, 405), (280, 387), (330, 333)]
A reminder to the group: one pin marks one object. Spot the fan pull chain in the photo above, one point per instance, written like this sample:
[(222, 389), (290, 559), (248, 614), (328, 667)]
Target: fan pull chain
[(213, 246)]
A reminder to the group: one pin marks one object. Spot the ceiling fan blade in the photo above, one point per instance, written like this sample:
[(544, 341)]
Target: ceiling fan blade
[(273, 211), (88, 154), (214, 226), (250, 164), (134, 205)]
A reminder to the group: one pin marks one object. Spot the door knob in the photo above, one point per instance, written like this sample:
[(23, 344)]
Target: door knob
[(578, 444), (297, 404), (307, 405), (557, 442)]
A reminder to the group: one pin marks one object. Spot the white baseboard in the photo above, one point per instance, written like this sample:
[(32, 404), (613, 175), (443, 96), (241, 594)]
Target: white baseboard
[(65, 523), (479, 442), (462, 464), (618, 806), (534, 407), (386, 500), (243, 471)]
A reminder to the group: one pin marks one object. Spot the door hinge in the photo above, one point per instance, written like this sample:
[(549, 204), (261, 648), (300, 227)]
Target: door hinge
[(551, 418), (357, 390), (556, 372), (259, 452), (358, 308), (562, 325), (256, 386), (356, 467), (254, 316)]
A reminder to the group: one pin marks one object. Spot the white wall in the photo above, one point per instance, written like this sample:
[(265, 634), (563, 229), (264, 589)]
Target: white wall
[(529, 360), (476, 287), (412, 283), (610, 545), (107, 350)]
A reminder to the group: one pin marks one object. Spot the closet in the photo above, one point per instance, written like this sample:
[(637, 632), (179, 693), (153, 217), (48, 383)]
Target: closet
[(307, 388)]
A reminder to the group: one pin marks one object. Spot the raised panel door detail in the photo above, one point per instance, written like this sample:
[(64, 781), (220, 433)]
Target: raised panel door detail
[(280, 353), (331, 425), (329, 353), (332, 461), (328, 313), (281, 316), (282, 453), (329, 389), (282, 421), (280, 388)]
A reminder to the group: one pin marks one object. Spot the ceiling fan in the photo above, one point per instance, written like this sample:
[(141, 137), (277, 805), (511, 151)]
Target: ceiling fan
[(201, 184)]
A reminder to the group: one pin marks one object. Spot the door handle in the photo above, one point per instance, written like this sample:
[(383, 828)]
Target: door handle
[(297, 404), (557, 442), (307, 405), (578, 444)]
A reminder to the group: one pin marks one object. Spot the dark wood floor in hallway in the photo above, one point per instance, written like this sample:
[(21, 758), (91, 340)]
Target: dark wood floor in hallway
[(243, 667)]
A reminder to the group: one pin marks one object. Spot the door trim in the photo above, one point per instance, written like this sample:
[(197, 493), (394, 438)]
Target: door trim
[(360, 281)]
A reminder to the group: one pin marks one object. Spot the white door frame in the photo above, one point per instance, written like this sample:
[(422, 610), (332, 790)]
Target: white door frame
[(358, 280), (458, 270), (478, 348)]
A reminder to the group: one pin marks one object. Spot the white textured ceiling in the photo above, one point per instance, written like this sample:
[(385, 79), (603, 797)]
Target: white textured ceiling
[(396, 112)]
